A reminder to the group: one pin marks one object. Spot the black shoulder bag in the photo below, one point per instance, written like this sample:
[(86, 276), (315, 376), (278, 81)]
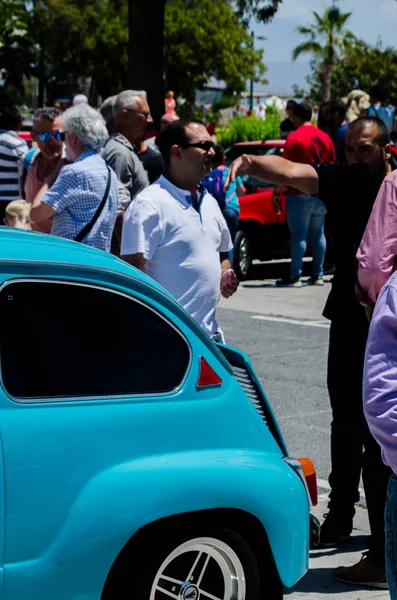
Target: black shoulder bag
[(87, 228)]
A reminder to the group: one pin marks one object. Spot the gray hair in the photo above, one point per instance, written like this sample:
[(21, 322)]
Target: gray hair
[(106, 108), (47, 114), (88, 125), (127, 99)]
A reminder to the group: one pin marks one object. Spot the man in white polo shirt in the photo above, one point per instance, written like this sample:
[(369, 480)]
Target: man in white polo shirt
[(175, 231)]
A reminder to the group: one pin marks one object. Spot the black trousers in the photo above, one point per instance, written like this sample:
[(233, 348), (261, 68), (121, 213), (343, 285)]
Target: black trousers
[(353, 449)]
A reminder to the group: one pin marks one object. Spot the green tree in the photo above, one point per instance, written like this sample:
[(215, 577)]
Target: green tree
[(146, 53), (16, 52), (327, 40), (360, 67), (205, 39), (260, 10)]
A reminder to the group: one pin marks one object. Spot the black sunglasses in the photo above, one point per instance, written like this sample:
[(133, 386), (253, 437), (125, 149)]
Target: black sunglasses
[(58, 135), (206, 145)]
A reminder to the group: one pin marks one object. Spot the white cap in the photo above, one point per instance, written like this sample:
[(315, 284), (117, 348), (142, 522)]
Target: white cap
[(80, 99)]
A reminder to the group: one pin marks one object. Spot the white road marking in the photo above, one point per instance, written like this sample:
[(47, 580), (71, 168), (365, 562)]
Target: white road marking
[(322, 324)]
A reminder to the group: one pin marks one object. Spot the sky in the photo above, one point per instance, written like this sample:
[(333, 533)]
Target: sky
[(371, 20)]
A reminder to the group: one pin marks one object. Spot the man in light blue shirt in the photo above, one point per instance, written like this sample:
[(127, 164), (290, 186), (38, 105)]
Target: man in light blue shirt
[(380, 407), (378, 108), (73, 195)]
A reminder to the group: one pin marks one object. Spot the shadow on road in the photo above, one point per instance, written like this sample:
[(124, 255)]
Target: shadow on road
[(319, 578), (277, 269), (320, 581)]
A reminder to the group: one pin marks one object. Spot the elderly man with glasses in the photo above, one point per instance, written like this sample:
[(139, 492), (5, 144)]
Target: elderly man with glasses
[(131, 112), (82, 199), (175, 231)]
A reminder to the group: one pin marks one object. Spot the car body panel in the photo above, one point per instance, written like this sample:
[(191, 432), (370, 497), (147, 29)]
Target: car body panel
[(82, 475)]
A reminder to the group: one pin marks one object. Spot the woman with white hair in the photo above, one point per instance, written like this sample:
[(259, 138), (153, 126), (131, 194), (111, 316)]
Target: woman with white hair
[(82, 198)]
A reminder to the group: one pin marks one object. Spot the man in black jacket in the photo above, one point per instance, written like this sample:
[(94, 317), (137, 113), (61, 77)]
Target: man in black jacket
[(348, 191)]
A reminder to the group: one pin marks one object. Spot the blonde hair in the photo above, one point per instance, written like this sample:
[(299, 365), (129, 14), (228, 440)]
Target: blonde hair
[(18, 214)]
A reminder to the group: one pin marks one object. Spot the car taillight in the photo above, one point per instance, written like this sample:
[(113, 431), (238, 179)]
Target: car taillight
[(207, 376), (307, 472)]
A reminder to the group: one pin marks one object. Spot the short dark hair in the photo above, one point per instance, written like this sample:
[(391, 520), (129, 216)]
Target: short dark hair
[(378, 92), (47, 114), (337, 106), (303, 111), (10, 116), (174, 133), (291, 104), (358, 125)]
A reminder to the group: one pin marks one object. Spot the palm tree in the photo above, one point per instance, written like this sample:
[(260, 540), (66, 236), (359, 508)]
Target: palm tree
[(327, 39)]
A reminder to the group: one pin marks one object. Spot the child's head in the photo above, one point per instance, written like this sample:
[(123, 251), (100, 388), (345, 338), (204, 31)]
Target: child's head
[(18, 214)]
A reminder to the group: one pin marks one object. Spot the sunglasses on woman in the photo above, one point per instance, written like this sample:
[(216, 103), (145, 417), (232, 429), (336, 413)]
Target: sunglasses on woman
[(58, 135)]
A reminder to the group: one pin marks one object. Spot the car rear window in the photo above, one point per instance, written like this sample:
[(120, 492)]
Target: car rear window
[(61, 340)]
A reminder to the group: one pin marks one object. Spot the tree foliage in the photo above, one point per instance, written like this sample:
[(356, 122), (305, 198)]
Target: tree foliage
[(205, 39), (16, 52), (262, 10), (360, 67), (326, 41), (64, 42)]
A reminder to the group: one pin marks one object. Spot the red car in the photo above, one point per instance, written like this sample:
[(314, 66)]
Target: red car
[(27, 136), (262, 234)]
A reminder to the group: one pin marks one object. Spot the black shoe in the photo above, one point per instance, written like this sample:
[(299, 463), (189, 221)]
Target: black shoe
[(334, 531)]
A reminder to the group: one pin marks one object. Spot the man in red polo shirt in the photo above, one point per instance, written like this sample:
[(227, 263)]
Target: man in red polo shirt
[(305, 214)]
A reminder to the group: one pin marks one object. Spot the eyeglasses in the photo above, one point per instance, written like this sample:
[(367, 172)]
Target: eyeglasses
[(58, 135), (205, 145)]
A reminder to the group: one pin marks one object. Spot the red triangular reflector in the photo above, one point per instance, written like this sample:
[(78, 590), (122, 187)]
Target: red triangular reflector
[(207, 376)]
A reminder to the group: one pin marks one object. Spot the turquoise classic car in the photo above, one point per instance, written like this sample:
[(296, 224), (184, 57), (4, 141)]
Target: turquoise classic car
[(139, 459)]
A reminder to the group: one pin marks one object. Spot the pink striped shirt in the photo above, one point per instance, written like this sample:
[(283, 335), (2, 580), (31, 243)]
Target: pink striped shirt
[(377, 254)]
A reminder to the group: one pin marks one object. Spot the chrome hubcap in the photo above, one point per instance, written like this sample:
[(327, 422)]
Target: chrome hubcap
[(245, 256), (200, 569)]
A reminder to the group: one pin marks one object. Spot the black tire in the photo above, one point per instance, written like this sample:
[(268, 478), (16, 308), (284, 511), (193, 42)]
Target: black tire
[(242, 255), (141, 566)]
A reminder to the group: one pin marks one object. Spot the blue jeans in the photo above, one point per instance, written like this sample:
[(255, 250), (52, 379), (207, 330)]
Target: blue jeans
[(305, 216), (391, 537), (231, 218)]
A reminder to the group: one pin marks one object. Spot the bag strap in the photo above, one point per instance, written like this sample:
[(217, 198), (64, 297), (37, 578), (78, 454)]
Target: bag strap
[(87, 228), (27, 161)]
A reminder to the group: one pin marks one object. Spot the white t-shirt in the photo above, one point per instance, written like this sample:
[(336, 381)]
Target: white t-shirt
[(181, 245)]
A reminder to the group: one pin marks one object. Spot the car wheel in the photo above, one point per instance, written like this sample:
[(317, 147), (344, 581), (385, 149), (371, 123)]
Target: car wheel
[(219, 565), (242, 255)]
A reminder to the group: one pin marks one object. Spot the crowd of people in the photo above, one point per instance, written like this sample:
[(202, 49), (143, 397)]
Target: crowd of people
[(169, 206), (95, 177)]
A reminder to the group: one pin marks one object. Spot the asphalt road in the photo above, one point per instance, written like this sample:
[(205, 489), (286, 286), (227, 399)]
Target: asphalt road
[(286, 337)]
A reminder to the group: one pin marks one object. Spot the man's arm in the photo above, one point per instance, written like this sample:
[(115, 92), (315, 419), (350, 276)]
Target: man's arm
[(136, 260), (380, 375), (377, 253), (141, 233), (41, 211), (276, 170), (229, 281)]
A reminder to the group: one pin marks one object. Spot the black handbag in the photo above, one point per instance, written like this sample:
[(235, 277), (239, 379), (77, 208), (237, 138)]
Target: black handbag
[(87, 228)]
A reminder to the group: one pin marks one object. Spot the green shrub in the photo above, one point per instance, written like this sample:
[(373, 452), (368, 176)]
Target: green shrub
[(250, 129)]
